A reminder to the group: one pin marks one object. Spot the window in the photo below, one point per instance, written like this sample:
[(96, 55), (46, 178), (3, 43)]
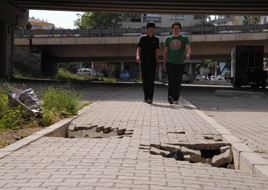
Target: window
[(35, 26), (177, 16)]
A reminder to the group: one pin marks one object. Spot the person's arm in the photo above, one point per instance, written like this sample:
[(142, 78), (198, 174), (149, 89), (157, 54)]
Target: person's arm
[(188, 51), (156, 58), (165, 59), (138, 59)]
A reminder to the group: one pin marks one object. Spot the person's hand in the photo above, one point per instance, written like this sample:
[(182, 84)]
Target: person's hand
[(138, 59), (165, 68), (188, 56)]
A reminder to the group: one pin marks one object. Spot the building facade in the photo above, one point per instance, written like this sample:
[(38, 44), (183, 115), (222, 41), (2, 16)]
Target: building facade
[(140, 20), (40, 24)]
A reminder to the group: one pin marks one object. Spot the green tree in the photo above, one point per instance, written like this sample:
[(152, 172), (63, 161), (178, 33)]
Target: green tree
[(249, 20), (91, 20)]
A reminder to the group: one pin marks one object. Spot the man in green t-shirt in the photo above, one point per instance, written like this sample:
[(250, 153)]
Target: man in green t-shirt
[(174, 56)]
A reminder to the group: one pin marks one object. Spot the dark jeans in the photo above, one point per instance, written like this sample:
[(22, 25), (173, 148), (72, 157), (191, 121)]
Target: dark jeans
[(174, 72), (148, 74)]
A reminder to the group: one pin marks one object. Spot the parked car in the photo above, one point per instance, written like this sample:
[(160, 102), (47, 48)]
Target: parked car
[(124, 75), (86, 71)]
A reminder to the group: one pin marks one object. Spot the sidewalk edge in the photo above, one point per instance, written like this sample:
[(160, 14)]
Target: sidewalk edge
[(245, 159), (56, 130)]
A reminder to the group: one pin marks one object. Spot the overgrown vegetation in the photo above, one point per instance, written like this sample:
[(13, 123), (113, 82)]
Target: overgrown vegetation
[(66, 75), (58, 104)]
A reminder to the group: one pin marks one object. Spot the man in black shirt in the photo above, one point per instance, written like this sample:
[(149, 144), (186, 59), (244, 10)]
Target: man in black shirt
[(147, 54)]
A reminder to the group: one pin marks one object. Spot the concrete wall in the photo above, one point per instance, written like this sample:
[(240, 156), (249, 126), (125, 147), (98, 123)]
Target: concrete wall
[(26, 62)]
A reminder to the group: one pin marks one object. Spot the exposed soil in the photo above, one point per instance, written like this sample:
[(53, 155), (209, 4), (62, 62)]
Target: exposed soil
[(10, 136)]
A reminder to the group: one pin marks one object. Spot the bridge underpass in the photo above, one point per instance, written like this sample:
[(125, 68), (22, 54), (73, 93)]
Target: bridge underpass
[(15, 13), (122, 49)]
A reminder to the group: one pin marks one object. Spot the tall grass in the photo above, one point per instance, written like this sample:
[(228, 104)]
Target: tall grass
[(58, 104), (66, 75), (61, 101)]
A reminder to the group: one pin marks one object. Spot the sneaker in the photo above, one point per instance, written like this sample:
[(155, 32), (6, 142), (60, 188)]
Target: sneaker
[(149, 101), (170, 99), (144, 100), (176, 102)]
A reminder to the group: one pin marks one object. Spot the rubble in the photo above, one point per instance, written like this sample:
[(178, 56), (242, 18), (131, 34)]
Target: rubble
[(221, 159), (94, 131), (210, 157)]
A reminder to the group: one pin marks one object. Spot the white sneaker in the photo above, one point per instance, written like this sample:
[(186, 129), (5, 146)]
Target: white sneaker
[(176, 102)]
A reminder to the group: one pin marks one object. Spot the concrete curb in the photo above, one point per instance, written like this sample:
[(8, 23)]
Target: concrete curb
[(245, 159), (56, 130), (232, 93)]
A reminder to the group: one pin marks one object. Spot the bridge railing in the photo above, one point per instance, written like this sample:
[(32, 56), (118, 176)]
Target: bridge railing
[(138, 31)]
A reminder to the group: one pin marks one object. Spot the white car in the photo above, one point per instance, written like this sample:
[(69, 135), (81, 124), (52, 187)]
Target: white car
[(86, 71)]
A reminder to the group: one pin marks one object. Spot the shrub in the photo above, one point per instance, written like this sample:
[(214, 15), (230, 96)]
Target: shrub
[(10, 117)]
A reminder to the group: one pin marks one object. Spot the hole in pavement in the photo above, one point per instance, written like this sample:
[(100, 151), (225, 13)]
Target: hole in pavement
[(221, 156), (181, 132), (96, 131)]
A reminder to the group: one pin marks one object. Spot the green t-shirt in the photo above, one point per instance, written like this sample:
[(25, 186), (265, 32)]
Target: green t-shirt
[(176, 48)]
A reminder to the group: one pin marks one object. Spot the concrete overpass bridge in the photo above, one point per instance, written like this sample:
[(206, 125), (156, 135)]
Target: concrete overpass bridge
[(51, 50), (124, 47), (15, 13)]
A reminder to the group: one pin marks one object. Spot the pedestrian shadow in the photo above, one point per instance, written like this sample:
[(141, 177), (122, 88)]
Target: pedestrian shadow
[(172, 106)]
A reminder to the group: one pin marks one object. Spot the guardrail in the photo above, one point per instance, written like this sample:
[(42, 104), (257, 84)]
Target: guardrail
[(139, 31)]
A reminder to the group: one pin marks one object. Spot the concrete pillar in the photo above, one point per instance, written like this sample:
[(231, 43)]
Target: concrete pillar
[(92, 65), (49, 66), (122, 66), (6, 49), (216, 69), (190, 68), (10, 16), (160, 70)]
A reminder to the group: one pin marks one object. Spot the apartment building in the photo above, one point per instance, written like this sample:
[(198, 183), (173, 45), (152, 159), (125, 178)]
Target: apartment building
[(131, 20), (40, 24)]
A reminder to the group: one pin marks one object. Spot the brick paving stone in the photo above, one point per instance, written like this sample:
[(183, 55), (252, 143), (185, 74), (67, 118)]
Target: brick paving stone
[(112, 163)]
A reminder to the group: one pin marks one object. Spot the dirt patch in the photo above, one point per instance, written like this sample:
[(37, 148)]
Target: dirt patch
[(8, 136)]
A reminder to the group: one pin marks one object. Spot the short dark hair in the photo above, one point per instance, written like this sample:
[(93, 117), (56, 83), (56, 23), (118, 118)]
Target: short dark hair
[(176, 23), (150, 25)]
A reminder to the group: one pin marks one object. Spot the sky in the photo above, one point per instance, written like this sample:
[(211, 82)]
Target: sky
[(63, 19)]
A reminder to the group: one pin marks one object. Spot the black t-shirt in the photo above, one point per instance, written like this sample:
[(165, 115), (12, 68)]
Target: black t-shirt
[(148, 46)]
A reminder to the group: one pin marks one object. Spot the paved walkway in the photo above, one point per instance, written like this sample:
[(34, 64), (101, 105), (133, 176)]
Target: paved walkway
[(114, 163), (245, 117)]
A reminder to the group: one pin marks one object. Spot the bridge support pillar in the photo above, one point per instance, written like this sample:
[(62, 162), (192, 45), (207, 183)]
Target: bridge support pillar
[(49, 66), (10, 16), (6, 49), (122, 66), (160, 70)]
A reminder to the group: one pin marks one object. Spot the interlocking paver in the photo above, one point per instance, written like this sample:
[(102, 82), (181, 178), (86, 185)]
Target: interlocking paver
[(112, 163)]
